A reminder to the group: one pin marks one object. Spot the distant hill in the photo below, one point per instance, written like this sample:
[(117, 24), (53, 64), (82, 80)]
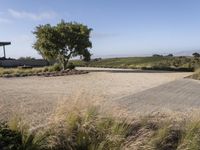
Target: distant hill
[(180, 53), (186, 53)]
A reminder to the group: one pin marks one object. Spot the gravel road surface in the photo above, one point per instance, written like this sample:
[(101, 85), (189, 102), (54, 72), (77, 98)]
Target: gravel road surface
[(37, 97)]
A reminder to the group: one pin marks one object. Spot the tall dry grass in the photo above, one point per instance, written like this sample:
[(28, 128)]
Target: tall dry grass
[(196, 75), (83, 125), (22, 72)]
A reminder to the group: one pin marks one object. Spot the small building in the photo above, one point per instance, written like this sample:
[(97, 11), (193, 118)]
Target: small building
[(3, 44), (9, 62)]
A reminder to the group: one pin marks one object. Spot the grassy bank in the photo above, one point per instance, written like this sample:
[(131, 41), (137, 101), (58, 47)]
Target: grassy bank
[(158, 63), (92, 130), (55, 70), (146, 63), (188, 64), (21, 72)]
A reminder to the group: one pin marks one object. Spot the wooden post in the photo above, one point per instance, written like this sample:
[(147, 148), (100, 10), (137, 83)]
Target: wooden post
[(4, 51)]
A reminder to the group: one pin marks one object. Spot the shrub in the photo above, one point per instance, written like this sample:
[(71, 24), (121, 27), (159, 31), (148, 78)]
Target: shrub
[(70, 66), (9, 139), (55, 67), (7, 71), (15, 135), (46, 69), (167, 138)]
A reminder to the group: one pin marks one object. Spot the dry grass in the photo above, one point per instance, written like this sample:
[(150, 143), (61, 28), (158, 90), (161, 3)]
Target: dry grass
[(5, 72), (22, 72), (196, 75), (84, 125), (155, 63)]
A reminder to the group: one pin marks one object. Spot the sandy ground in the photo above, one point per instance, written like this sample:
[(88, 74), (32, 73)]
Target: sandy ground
[(37, 97)]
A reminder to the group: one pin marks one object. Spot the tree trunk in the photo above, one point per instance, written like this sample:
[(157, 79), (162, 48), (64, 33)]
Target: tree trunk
[(65, 63), (64, 60)]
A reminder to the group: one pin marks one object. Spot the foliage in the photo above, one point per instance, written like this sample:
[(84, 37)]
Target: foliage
[(55, 67), (157, 55), (18, 72), (170, 55), (71, 66), (21, 72), (16, 136), (190, 139), (9, 139), (196, 55), (63, 41), (26, 58), (167, 137)]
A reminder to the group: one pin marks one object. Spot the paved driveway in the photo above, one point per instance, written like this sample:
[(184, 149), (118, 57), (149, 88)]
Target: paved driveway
[(180, 95)]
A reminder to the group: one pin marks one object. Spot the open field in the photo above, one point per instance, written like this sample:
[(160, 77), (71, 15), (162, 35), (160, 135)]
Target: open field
[(36, 98), (156, 62)]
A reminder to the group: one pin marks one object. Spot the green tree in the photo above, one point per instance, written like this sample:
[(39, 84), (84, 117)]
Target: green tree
[(196, 55), (63, 41), (26, 58)]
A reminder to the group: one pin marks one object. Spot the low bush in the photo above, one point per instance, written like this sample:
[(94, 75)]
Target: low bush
[(46, 69), (21, 72), (163, 68), (167, 138), (8, 72), (71, 66), (9, 139), (55, 67), (20, 138)]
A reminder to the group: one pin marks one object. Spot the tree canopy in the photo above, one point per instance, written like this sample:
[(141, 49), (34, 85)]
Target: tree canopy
[(63, 41), (196, 54)]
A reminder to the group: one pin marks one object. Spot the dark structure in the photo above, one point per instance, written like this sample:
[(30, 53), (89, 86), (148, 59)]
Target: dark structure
[(11, 63), (4, 44)]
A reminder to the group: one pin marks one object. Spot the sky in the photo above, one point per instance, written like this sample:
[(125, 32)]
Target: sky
[(120, 27)]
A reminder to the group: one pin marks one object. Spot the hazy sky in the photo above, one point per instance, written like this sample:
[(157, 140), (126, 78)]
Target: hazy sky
[(120, 27)]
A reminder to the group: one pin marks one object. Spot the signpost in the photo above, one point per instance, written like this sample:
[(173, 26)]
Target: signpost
[(4, 44)]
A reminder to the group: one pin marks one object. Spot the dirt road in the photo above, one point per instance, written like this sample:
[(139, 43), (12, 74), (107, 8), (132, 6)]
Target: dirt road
[(37, 97)]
